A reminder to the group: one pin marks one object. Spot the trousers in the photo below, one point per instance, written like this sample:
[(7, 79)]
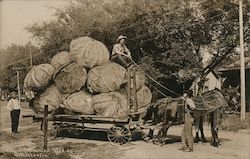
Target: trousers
[(122, 60), (14, 114), (187, 132)]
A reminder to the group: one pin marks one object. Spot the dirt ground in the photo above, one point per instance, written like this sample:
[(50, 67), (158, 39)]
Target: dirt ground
[(29, 144)]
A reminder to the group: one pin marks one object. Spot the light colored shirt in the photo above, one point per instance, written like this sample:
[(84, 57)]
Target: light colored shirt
[(121, 49), (13, 104), (191, 104)]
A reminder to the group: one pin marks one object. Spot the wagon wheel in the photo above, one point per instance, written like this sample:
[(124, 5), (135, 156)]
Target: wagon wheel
[(53, 131), (119, 134), (75, 129)]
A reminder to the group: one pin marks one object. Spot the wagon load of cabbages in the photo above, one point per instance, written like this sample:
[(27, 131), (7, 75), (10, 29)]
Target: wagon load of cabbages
[(84, 81)]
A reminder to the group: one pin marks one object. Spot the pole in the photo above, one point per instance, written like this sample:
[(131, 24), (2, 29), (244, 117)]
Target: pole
[(242, 65), (45, 127), (31, 58), (18, 86), (129, 89), (135, 104)]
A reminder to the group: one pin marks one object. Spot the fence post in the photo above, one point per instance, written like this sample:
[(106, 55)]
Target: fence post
[(45, 127)]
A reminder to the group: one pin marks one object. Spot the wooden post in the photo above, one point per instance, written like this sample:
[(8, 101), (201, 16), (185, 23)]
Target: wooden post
[(242, 66), (129, 89), (135, 104), (31, 58), (45, 127), (18, 86)]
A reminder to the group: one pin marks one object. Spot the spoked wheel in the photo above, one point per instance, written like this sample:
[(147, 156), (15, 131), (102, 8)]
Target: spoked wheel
[(119, 134), (53, 131), (75, 129)]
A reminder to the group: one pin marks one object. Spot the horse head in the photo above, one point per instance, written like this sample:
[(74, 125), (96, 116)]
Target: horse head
[(232, 97)]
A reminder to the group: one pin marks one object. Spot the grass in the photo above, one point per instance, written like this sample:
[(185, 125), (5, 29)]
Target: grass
[(233, 123), (50, 155)]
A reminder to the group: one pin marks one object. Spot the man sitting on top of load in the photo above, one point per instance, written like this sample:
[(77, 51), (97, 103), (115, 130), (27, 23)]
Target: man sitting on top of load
[(120, 52)]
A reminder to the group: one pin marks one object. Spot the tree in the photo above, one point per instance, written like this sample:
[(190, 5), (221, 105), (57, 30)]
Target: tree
[(165, 36), (15, 56)]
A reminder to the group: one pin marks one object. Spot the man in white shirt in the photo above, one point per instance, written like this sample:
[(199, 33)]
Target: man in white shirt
[(120, 52), (187, 132), (14, 107)]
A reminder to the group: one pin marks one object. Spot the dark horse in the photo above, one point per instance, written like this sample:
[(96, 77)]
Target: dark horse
[(214, 120), (165, 110), (170, 112), (214, 117)]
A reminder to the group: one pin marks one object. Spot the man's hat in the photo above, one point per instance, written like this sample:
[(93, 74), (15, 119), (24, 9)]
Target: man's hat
[(12, 93), (121, 37)]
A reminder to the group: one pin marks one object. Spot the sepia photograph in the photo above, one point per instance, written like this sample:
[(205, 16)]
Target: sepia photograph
[(124, 79)]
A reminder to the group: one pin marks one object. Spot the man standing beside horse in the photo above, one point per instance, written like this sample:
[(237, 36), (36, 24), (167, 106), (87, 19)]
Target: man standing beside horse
[(187, 132)]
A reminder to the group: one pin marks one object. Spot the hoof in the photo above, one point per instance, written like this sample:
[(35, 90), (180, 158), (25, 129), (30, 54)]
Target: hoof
[(155, 142), (204, 140), (182, 148), (196, 140), (215, 144), (147, 139), (188, 150)]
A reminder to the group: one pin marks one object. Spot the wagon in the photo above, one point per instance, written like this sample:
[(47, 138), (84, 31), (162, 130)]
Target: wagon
[(118, 129)]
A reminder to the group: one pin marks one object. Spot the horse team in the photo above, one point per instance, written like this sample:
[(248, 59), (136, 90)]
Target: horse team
[(171, 111)]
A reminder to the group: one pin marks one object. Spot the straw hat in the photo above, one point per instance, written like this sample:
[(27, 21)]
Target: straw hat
[(13, 93), (121, 37)]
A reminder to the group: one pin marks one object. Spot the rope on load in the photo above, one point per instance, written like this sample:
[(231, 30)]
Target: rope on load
[(155, 80), (210, 99)]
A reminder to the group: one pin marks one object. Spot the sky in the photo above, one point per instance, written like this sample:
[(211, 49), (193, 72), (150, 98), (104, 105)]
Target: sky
[(15, 15)]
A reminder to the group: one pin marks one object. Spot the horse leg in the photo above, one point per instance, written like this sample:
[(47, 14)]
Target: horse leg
[(214, 141), (214, 129), (216, 137), (150, 135), (163, 132), (203, 139), (159, 135), (197, 128)]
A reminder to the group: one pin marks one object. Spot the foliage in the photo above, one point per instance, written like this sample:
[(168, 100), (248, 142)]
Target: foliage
[(165, 36), (233, 123), (15, 56)]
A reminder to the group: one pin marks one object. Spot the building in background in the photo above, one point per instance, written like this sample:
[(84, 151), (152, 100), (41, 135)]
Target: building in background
[(231, 75)]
